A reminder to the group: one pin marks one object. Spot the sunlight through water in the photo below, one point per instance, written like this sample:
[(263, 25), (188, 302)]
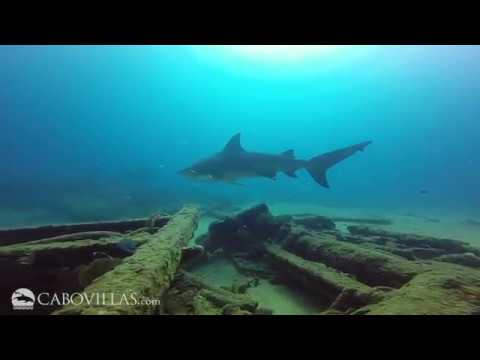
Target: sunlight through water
[(282, 53)]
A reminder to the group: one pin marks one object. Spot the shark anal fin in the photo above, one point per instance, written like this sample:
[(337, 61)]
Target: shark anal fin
[(291, 173)]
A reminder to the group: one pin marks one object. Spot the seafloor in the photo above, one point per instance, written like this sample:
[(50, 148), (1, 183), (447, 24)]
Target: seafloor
[(281, 259), (288, 300)]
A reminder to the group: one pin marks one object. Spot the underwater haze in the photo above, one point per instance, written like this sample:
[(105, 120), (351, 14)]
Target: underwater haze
[(100, 132)]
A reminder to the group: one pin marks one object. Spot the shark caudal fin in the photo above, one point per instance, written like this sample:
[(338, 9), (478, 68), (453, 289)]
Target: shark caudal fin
[(318, 166)]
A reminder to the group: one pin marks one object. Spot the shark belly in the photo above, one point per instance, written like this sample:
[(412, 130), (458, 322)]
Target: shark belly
[(266, 165)]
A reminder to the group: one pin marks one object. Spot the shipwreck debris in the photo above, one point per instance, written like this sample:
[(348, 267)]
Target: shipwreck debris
[(190, 295), (414, 240), (243, 232), (365, 271), (340, 290), (15, 236), (147, 274)]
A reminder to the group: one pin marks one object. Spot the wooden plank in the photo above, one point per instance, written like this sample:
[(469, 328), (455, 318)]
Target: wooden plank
[(146, 275), (20, 235)]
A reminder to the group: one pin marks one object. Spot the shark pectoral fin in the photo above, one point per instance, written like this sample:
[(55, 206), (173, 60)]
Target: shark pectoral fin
[(321, 178), (291, 173)]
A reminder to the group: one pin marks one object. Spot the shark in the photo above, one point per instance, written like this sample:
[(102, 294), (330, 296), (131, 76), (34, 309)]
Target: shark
[(234, 162)]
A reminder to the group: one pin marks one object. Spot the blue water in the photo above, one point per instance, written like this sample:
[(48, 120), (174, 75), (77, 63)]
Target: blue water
[(93, 132)]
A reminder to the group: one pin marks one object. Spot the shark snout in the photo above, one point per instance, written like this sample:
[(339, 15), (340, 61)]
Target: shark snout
[(189, 172)]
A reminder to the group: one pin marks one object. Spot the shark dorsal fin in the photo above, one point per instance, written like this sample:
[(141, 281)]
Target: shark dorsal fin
[(289, 154), (233, 145)]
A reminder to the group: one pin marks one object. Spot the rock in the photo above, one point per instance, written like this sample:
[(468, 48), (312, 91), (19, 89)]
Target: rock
[(243, 232)]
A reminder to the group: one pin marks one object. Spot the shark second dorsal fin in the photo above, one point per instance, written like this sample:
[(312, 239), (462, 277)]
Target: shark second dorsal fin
[(233, 145), (289, 154)]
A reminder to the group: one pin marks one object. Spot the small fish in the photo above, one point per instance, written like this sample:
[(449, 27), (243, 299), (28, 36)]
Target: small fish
[(424, 192)]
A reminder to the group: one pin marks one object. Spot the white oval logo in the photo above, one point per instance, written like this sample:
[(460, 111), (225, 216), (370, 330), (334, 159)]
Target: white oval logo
[(23, 299)]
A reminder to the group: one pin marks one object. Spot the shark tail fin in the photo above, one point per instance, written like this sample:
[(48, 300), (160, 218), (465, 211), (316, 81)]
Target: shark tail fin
[(318, 165)]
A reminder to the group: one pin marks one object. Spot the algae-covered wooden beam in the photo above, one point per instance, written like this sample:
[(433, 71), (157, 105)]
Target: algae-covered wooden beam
[(414, 240), (66, 253), (14, 236), (373, 221), (190, 295), (137, 286), (87, 235), (371, 266), (447, 289), (323, 281), (366, 220)]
